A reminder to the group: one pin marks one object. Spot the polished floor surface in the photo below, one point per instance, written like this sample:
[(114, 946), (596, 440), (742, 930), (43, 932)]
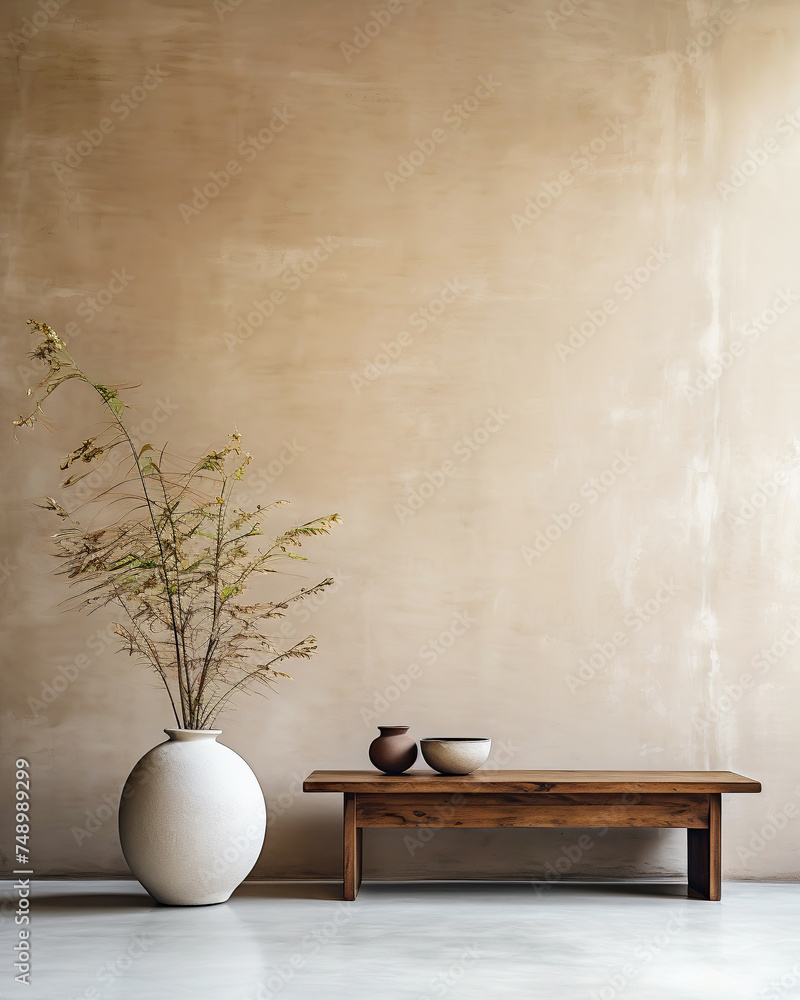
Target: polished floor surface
[(97, 940)]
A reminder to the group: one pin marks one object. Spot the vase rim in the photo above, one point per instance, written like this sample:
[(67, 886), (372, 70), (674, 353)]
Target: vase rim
[(394, 727), (186, 735)]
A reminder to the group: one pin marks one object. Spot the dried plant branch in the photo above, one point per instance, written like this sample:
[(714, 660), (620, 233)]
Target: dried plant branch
[(177, 560)]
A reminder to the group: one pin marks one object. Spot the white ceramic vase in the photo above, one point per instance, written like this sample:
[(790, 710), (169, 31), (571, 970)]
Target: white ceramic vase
[(192, 819)]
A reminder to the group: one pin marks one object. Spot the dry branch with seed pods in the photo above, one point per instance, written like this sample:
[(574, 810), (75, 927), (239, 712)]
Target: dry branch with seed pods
[(178, 557)]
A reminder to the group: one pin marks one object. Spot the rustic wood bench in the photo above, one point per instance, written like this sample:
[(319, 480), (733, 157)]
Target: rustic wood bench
[(690, 800)]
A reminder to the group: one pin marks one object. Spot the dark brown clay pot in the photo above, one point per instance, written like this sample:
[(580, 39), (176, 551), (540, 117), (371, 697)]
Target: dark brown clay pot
[(393, 752)]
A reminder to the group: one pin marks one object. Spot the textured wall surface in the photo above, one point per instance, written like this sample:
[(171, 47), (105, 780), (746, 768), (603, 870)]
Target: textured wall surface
[(512, 287)]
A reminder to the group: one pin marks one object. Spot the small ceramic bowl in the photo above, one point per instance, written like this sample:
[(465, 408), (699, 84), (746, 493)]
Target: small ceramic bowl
[(455, 755)]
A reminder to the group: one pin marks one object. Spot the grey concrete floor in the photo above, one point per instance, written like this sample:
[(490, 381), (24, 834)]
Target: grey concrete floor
[(97, 940)]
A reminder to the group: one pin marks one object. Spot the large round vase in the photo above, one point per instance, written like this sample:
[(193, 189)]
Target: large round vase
[(192, 819)]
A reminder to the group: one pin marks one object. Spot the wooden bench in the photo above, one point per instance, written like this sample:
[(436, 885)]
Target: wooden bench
[(690, 800)]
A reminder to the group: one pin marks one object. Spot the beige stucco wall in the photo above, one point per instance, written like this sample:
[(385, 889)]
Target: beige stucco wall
[(562, 172)]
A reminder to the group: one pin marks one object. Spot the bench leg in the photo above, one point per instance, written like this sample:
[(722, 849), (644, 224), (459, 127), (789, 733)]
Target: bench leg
[(705, 853), (352, 848)]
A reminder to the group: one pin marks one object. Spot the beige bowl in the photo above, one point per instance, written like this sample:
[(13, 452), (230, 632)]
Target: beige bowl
[(455, 755)]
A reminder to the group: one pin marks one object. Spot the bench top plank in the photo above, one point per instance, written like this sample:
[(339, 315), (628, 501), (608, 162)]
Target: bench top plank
[(523, 782)]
